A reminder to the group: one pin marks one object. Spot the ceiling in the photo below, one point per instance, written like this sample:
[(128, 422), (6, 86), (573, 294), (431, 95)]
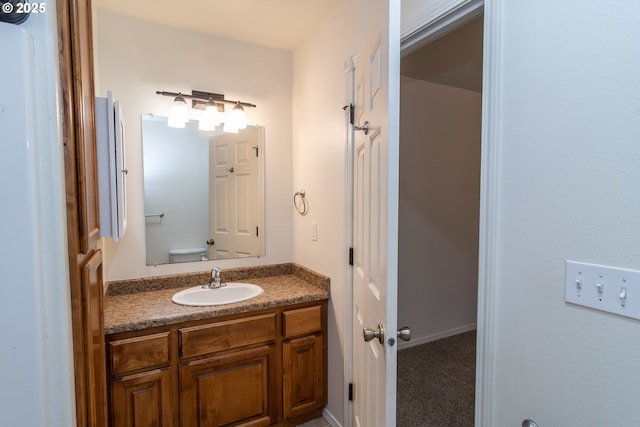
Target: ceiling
[(278, 24)]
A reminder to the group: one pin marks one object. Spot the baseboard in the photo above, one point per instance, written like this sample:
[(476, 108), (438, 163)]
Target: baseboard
[(433, 337), (330, 418)]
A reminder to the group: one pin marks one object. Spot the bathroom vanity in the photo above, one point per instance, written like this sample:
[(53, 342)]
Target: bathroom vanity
[(255, 363)]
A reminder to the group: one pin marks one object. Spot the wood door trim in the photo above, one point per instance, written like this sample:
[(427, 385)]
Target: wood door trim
[(71, 190), (77, 113)]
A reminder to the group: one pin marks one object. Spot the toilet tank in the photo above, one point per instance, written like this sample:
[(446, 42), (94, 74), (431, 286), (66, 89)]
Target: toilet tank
[(187, 255)]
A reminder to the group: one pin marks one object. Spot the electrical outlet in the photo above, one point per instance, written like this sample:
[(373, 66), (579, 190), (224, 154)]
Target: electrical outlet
[(611, 289), (314, 231)]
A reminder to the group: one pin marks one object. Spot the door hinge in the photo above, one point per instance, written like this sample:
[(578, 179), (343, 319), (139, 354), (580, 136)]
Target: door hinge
[(257, 231), (350, 256), (350, 392), (255, 147), (351, 112)]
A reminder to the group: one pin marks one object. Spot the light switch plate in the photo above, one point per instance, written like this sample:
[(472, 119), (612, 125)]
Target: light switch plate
[(611, 289)]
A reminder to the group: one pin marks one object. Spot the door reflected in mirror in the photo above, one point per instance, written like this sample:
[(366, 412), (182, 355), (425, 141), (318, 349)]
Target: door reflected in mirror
[(203, 192)]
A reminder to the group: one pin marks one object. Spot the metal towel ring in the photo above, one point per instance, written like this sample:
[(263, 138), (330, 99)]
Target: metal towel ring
[(301, 206)]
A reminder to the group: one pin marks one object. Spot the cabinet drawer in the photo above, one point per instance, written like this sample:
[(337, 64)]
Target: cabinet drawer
[(302, 321), (210, 338), (139, 352)]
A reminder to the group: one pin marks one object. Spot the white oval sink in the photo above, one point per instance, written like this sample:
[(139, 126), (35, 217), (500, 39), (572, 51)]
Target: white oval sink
[(232, 292)]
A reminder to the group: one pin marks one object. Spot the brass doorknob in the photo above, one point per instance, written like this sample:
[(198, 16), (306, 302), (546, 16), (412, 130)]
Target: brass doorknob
[(404, 333), (369, 334)]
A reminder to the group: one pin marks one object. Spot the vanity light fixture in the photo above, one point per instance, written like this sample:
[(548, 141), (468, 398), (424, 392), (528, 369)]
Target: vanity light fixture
[(213, 115)]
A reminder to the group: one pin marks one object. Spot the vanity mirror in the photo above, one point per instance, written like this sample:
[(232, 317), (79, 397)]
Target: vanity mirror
[(203, 192)]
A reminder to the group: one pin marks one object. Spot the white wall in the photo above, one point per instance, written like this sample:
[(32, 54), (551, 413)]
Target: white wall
[(319, 158), (569, 186), (439, 204), (137, 58), (319, 168), (43, 393)]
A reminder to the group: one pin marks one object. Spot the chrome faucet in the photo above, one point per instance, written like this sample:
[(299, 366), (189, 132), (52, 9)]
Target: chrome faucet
[(215, 279)]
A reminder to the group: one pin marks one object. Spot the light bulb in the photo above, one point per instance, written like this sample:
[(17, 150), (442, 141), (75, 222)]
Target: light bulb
[(238, 116), (179, 112), (210, 117)]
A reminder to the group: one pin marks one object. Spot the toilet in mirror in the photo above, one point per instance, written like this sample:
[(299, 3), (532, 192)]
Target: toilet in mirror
[(203, 192)]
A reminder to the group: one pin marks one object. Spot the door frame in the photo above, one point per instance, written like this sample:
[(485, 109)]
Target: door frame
[(349, 71), (438, 20)]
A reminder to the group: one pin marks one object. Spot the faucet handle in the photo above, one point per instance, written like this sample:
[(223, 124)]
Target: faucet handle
[(215, 273)]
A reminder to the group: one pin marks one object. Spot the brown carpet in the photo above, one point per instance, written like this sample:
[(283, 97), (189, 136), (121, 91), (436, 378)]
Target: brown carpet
[(436, 383)]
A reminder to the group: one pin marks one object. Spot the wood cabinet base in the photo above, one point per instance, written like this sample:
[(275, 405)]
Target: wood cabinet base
[(251, 370)]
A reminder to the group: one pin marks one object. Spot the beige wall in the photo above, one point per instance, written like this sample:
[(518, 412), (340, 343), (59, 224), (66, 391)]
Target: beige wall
[(439, 206), (319, 168), (136, 58)]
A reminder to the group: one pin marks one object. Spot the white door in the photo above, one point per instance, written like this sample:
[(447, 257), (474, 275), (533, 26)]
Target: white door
[(375, 192), (234, 194)]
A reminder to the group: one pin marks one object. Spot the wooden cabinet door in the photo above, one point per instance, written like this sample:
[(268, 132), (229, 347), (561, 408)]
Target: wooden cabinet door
[(303, 375), (96, 371), (236, 389), (142, 400)]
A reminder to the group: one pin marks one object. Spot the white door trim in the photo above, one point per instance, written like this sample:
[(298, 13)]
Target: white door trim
[(489, 173), (442, 17), (349, 71)]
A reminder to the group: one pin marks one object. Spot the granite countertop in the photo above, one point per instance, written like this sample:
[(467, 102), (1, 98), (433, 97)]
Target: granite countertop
[(136, 304)]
